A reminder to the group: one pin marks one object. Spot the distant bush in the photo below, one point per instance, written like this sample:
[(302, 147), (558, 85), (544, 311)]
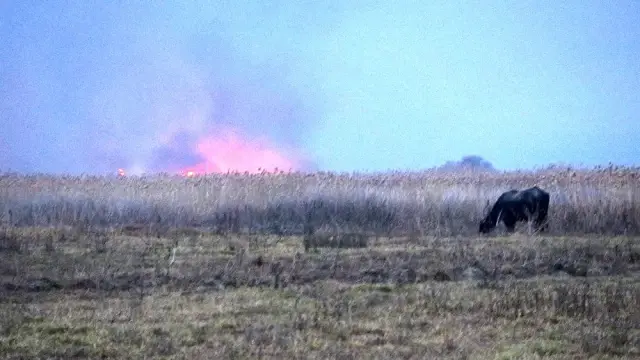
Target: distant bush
[(469, 162), (435, 202)]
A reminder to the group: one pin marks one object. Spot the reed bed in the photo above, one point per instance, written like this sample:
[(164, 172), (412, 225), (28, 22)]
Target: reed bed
[(444, 203)]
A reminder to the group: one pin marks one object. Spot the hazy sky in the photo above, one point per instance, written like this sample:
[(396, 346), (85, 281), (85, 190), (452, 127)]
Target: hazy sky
[(89, 86)]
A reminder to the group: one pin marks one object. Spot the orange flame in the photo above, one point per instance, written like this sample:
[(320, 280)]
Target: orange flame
[(231, 153)]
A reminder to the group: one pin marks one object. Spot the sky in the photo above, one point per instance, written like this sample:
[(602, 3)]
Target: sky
[(208, 86)]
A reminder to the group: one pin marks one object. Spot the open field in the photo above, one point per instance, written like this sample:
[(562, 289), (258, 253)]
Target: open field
[(112, 295), (216, 267)]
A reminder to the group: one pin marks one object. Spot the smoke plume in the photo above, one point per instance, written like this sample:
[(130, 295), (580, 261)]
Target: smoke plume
[(144, 92)]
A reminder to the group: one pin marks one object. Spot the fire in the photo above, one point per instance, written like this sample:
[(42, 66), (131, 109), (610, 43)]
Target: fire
[(232, 153)]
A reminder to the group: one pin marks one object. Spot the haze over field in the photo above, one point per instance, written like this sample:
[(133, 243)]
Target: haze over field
[(363, 86)]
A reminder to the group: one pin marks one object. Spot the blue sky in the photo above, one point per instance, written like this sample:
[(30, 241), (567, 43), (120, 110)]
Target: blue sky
[(87, 86)]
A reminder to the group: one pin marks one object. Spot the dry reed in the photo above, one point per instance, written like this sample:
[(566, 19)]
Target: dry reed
[(600, 201)]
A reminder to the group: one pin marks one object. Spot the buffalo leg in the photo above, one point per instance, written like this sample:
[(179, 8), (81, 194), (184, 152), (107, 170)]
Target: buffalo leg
[(510, 224), (541, 225)]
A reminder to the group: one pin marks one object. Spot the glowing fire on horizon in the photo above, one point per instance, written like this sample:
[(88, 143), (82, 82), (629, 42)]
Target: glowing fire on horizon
[(232, 153)]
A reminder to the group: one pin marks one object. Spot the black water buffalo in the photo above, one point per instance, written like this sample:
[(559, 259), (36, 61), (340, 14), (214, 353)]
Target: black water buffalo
[(513, 206)]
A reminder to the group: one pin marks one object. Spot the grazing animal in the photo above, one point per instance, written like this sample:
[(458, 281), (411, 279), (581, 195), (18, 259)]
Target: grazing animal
[(512, 206)]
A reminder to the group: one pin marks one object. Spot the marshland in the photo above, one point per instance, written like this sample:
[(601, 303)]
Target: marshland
[(318, 265)]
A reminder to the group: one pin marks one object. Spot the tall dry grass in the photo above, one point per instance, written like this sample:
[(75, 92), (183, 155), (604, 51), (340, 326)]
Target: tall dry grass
[(599, 200)]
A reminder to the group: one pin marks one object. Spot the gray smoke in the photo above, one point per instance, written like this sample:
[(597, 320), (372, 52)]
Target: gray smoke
[(89, 88)]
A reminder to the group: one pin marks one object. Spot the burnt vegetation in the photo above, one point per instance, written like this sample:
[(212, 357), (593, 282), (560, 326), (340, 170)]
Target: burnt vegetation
[(318, 265)]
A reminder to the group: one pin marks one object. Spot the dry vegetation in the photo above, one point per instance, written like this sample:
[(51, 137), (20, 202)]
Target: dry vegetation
[(430, 203), (219, 267)]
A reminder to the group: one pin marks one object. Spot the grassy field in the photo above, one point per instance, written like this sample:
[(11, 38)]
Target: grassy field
[(161, 268)]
